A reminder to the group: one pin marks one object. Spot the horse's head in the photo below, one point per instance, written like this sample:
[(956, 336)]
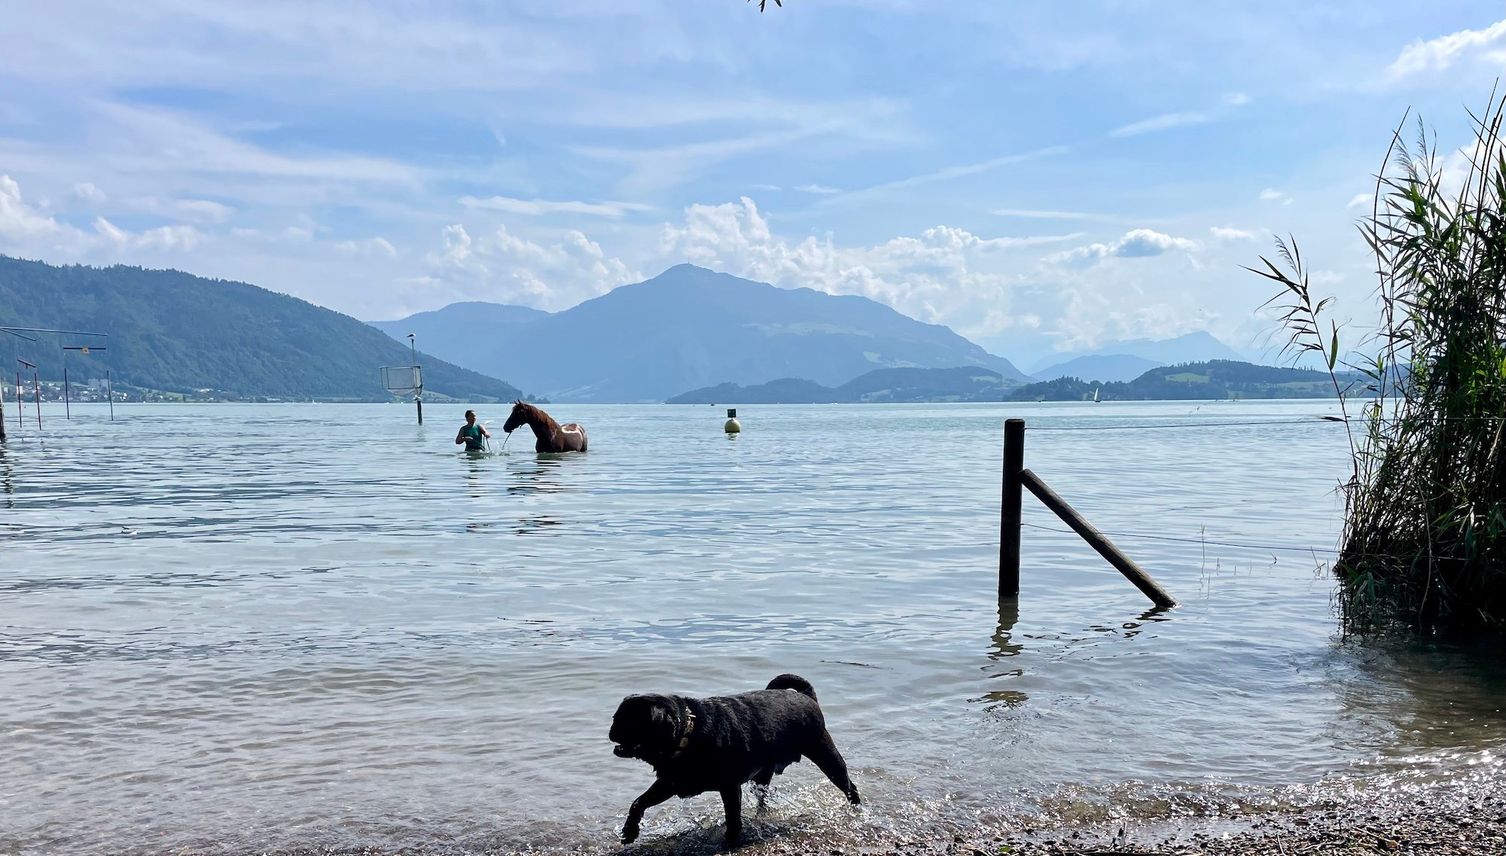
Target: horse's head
[(518, 416)]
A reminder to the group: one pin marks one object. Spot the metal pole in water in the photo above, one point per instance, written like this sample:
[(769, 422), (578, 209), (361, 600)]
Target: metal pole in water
[(110, 393), (420, 402), (36, 388), (1009, 508), (2, 411), (67, 410)]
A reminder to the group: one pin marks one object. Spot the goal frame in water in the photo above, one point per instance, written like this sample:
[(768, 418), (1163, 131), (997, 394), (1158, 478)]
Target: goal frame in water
[(403, 380)]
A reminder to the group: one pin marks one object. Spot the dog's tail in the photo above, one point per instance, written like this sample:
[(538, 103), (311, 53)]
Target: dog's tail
[(793, 682)]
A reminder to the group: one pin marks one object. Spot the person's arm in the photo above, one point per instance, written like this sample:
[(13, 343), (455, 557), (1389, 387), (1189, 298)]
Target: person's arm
[(485, 433), (460, 436)]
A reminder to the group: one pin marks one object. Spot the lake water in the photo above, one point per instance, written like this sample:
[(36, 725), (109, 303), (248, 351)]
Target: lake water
[(240, 629)]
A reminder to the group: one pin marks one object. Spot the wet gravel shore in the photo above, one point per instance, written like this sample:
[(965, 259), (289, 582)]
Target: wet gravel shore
[(1442, 818)]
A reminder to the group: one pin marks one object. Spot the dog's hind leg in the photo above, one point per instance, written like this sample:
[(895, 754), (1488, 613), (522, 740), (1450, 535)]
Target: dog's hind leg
[(732, 802), (761, 781), (823, 753), (657, 793)]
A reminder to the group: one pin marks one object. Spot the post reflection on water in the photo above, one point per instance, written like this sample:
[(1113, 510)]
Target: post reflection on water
[(1002, 651)]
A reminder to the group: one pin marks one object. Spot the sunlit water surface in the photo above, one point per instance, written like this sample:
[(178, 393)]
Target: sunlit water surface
[(249, 628)]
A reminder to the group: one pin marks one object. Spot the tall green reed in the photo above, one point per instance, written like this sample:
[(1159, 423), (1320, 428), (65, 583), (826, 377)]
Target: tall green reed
[(1424, 540)]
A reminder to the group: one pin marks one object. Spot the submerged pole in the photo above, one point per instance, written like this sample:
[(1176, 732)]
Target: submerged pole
[(1009, 508), (1097, 540)]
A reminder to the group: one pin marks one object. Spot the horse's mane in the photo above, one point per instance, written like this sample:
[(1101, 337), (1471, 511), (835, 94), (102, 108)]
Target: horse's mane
[(530, 413)]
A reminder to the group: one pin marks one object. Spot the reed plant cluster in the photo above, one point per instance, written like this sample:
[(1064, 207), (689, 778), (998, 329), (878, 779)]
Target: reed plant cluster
[(1424, 539)]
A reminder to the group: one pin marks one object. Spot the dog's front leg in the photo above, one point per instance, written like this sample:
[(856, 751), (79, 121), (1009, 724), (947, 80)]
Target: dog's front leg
[(732, 801), (657, 793)]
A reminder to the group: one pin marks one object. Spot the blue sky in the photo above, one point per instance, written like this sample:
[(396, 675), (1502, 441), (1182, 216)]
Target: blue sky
[(1038, 176)]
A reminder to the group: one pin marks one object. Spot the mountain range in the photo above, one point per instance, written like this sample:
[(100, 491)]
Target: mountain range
[(688, 328), (172, 331), (1198, 346)]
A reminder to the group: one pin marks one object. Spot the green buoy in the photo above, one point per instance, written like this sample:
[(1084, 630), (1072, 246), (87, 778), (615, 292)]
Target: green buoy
[(732, 426)]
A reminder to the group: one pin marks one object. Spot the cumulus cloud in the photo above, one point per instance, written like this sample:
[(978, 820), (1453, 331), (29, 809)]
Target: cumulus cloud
[(540, 207), (1441, 53), (18, 220), (508, 266), (945, 274), (1134, 244)]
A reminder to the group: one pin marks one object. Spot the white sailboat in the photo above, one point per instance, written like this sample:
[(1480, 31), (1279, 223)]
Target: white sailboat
[(1095, 394)]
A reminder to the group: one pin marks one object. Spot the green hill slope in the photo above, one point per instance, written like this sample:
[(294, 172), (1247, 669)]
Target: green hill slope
[(177, 332)]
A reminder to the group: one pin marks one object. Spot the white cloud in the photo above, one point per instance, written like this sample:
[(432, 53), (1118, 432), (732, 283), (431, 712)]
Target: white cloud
[(19, 220), (1236, 99), (510, 267), (378, 247), (944, 274), (1134, 244), (1360, 199), (88, 192), (1229, 233), (540, 207), (204, 210), (176, 238), (1444, 52), (1271, 194), (1164, 122), (110, 232), (818, 189)]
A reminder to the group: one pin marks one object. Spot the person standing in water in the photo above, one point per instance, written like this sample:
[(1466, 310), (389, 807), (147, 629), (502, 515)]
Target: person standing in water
[(471, 433)]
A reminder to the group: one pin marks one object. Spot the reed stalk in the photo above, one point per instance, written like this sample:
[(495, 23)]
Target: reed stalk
[(1424, 539)]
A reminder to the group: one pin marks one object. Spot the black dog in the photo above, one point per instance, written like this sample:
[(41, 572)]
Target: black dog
[(716, 744)]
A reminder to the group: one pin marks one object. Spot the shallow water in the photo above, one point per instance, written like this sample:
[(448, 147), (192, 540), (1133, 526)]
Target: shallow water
[(246, 628)]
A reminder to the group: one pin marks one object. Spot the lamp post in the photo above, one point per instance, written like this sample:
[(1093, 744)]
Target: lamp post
[(418, 394)]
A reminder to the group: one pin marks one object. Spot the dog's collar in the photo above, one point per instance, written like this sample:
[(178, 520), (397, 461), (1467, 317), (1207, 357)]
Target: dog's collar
[(689, 730)]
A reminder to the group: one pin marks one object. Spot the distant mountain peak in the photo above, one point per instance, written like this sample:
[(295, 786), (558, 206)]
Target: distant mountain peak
[(692, 327)]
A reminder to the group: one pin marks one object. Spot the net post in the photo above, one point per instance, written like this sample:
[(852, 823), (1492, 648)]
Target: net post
[(1009, 508)]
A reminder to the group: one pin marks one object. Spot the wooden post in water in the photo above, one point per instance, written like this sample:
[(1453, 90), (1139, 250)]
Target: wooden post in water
[(2, 410), (67, 410), (1009, 508), (36, 388), (1096, 540), (110, 392)]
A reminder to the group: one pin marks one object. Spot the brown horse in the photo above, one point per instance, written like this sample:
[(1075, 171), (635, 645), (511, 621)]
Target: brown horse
[(552, 436)]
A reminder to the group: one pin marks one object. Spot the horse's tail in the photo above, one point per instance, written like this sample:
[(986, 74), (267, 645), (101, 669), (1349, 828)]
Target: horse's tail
[(793, 682)]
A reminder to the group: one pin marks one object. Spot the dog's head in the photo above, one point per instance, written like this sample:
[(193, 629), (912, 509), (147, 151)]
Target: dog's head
[(646, 727)]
